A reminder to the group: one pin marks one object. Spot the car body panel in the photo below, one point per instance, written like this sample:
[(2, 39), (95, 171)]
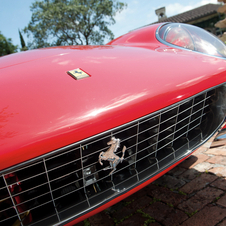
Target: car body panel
[(59, 163), (45, 109)]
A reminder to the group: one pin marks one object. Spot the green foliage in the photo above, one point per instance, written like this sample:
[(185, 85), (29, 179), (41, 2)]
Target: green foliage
[(154, 200), (72, 22), (86, 222), (128, 203), (121, 220), (149, 218), (191, 214), (22, 42), (182, 193), (170, 205), (6, 46)]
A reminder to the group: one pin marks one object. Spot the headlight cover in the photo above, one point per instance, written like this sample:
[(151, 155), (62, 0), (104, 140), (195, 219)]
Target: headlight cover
[(192, 38)]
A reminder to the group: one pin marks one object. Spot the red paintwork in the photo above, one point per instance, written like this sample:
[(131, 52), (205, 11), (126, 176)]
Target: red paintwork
[(144, 37), (43, 108)]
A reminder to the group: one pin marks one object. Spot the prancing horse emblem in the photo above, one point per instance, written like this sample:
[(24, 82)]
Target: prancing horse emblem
[(110, 155), (78, 74)]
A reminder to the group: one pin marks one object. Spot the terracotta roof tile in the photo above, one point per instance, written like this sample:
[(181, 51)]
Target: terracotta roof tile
[(193, 14)]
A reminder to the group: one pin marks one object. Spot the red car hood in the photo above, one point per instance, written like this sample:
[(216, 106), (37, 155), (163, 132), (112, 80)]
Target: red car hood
[(43, 108)]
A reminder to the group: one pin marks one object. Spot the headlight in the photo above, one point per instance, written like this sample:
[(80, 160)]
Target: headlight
[(192, 38)]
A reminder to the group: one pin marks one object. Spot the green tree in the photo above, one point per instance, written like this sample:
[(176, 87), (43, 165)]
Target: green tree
[(72, 22), (6, 46), (22, 42)]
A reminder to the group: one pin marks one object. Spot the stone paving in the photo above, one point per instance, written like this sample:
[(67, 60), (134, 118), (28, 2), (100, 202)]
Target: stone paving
[(193, 193)]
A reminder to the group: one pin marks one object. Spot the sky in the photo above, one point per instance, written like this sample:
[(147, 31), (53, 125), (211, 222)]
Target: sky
[(16, 14)]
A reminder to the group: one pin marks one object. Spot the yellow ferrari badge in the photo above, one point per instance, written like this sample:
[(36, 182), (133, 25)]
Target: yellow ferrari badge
[(78, 74)]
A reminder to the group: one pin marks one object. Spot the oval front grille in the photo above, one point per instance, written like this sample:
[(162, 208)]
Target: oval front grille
[(69, 182)]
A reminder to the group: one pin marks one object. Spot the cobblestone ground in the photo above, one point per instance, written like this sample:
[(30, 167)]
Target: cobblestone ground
[(192, 194)]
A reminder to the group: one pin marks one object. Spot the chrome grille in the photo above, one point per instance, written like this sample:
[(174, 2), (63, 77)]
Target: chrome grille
[(69, 182)]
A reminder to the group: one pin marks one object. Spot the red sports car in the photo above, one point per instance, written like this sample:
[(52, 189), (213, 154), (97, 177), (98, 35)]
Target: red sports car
[(82, 127)]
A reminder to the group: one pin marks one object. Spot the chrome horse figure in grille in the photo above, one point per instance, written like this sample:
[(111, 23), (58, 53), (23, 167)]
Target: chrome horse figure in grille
[(110, 155)]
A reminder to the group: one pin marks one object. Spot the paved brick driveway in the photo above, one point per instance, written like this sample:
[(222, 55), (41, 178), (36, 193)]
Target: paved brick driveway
[(192, 194)]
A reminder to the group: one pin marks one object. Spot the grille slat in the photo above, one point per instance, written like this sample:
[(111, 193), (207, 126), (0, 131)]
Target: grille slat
[(71, 181)]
